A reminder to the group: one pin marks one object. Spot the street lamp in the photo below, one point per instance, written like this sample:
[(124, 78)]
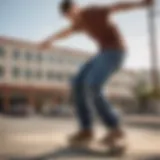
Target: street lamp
[(153, 48)]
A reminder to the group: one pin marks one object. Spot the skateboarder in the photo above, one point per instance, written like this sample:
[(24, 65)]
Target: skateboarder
[(96, 22)]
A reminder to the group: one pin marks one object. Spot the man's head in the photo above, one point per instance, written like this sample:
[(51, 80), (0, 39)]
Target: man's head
[(69, 9)]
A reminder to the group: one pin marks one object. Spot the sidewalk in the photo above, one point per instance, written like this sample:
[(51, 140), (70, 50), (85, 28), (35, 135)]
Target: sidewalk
[(143, 121), (139, 119), (45, 137)]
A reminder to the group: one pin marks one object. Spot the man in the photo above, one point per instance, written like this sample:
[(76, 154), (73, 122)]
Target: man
[(95, 21)]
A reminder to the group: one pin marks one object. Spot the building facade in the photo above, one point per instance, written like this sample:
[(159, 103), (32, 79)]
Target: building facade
[(29, 75)]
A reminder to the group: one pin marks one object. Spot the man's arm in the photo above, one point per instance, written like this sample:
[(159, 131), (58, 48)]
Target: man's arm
[(60, 35), (124, 6)]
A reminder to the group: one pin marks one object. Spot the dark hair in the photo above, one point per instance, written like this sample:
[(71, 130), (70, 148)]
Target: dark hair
[(65, 6)]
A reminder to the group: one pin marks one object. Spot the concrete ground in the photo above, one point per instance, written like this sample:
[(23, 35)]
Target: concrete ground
[(44, 137)]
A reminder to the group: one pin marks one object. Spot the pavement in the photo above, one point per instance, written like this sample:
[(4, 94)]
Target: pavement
[(148, 121), (38, 138)]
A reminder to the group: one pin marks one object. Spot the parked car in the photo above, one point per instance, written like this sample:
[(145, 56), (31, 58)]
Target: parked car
[(57, 111), (21, 110)]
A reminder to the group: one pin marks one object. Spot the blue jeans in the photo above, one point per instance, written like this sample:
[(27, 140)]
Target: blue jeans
[(87, 87)]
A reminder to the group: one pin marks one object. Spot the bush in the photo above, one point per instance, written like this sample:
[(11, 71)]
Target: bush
[(155, 94)]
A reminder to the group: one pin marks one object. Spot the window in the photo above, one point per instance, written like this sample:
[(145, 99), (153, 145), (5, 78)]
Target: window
[(28, 73), (46, 57), (33, 56), (58, 60), (59, 77), (39, 74), (52, 59), (2, 71), (28, 56), (2, 51), (50, 75), (39, 57), (16, 72), (16, 54)]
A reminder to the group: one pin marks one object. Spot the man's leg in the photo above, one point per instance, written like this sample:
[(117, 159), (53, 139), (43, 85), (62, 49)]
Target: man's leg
[(82, 109), (102, 68)]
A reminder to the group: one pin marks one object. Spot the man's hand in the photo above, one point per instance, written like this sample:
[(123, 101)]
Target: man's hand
[(45, 45), (53, 38)]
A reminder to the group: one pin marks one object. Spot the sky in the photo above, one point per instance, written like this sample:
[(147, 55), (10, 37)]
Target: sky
[(34, 20)]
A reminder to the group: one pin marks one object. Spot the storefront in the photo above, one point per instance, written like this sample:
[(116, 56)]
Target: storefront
[(36, 98)]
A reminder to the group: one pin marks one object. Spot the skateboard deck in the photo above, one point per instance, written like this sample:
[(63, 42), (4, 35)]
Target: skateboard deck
[(88, 151), (76, 153), (96, 149)]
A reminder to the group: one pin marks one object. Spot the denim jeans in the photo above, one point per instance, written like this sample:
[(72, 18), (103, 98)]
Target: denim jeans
[(87, 89)]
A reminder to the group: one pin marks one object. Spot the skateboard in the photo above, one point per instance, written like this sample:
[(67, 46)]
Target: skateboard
[(88, 150), (97, 149)]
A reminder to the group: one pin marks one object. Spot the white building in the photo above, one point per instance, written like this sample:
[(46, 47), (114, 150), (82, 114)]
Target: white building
[(30, 75)]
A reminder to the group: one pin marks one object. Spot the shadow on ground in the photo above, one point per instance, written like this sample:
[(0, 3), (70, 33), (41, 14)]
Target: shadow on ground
[(68, 153), (85, 154)]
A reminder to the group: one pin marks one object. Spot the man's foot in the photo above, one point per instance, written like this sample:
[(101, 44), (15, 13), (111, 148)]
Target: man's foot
[(81, 138), (115, 141), (114, 138)]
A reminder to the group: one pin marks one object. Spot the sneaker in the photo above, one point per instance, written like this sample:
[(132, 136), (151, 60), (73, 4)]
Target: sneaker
[(81, 138), (114, 138)]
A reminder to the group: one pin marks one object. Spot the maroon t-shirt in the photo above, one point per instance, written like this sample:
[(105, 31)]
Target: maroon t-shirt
[(95, 21)]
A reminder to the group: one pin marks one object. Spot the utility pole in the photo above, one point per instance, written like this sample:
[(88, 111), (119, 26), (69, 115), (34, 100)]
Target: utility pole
[(153, 48)]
